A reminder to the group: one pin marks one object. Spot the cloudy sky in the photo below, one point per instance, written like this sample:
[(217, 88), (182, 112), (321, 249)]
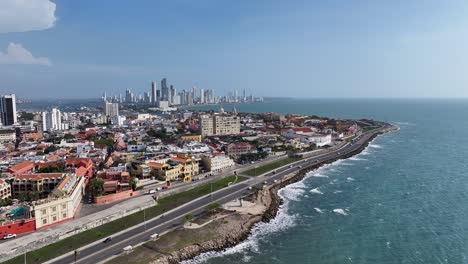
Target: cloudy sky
[(352, 48)]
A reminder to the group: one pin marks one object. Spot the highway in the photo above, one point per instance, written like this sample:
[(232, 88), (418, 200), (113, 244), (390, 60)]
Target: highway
[(103, 251)]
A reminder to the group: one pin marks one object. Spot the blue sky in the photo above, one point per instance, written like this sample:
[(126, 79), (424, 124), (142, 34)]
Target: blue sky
[(334, 48)]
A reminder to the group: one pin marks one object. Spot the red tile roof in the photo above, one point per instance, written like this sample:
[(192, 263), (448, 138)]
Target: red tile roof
[(155, 164), (38, 176), (22, 167)]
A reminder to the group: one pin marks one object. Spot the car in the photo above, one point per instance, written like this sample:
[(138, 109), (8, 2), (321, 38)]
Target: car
[(154, 236), (290, 166), (153, 191), (9, 236), (109, 239), (158, 189), (265, 182)]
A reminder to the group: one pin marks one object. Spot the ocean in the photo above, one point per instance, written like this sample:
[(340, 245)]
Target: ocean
[(404, 199)]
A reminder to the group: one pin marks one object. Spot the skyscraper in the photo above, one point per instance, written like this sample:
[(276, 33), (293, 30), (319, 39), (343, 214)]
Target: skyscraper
[(172, 94), (154, 97), (8, 109), (164, 90)]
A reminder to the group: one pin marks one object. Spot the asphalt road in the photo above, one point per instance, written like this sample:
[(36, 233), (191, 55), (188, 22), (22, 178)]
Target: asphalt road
[(103, 251)]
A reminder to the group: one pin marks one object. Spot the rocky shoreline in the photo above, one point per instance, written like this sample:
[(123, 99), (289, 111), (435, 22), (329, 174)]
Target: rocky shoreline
[(240, 230)]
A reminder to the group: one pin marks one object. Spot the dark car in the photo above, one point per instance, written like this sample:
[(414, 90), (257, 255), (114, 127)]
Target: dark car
[(109, 239)]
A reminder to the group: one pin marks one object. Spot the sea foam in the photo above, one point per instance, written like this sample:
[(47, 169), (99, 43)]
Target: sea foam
[(340, 211), (316, 190)]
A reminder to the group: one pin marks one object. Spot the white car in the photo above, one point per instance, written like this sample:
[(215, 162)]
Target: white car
[(9, 236), (153, 191)]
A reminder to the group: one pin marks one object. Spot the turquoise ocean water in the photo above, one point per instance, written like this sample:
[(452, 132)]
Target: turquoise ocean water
[(403, 200)]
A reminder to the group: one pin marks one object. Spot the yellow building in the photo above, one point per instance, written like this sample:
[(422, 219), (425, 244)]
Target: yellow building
[(174, 168), (165, 171), (197, 138)]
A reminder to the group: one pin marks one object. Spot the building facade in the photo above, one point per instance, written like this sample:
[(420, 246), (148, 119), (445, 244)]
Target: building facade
[(7, 135), (219, 125), (5, 189), (61, 205), (217, 163), (8, 110)]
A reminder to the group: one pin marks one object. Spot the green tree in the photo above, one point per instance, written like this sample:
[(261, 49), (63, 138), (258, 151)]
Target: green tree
[(188, 218), (69, 136), (50, 149), (96, 186), (133, 183), (213, 208)]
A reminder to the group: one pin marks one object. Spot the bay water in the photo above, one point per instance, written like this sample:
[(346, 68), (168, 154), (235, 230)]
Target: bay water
[(404, 199)]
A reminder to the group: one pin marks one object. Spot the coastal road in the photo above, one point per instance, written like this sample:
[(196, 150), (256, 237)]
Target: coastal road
[(102, 251)]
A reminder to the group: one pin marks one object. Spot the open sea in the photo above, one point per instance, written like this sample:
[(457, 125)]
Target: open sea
[(403, 200)]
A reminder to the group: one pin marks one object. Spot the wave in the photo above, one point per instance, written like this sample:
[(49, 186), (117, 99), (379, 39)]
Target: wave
[(340, 211), (281, 222), (316, 190), (319, 175), (356, 159), (318, 210), (350, 179), (375, 146), (405, 123), (337, 191)]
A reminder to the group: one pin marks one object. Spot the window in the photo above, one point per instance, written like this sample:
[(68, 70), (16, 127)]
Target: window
[(64, 206), (44, 221), (43, 211), (54, 218), (64, 215), (54, 208)]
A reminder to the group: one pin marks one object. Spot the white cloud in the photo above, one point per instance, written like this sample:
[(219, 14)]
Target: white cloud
[(17, 54), (26, 15)]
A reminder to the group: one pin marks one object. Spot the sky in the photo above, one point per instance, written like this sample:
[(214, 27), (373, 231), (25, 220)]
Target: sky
[(310, 48)]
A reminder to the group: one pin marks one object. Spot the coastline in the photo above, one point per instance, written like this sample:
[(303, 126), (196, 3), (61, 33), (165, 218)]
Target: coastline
[(269, 196)]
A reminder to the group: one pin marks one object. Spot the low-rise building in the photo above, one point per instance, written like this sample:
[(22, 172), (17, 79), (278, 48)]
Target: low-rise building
[(7, 135), (42, 184), (115, 181), (61, 205), (217, 163), (197, 138), (5, 189), (237, 149), (21, 168)]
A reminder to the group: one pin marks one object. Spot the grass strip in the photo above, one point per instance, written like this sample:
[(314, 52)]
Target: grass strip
[(270, 166)]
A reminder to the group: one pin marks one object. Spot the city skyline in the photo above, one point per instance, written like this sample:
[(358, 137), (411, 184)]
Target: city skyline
[(306, 49)]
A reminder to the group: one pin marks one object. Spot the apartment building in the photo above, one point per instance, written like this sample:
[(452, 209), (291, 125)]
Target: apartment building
[(219, 125)]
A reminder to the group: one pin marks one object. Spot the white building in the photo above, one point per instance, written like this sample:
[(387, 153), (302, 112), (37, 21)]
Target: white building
[(319, 140), (217, 163), (52, 120), (118, 120), (7, 135), (62, 204), (111, 109)]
